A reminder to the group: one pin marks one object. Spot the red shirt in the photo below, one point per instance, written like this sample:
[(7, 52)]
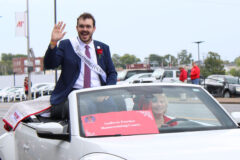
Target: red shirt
[(195, 72), (26, 86), (183, 75)]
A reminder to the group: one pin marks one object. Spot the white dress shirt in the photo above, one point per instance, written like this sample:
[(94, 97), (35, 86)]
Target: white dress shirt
[(95, 81)]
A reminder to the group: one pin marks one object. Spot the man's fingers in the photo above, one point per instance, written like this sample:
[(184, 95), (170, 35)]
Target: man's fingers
[(63, 27), (59, 24), (63, 34), (55, 26)]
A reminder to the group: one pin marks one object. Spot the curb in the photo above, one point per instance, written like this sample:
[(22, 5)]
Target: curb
[(228, 100)]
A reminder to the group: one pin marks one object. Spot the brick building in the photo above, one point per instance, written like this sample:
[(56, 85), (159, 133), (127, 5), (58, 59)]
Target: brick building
[(138, 66), (20, 65)]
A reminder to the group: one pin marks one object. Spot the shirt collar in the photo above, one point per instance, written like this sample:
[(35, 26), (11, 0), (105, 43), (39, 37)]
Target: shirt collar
[(82, 44)]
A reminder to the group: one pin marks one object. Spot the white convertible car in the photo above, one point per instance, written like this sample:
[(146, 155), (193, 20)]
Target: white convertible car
[(129, 122)]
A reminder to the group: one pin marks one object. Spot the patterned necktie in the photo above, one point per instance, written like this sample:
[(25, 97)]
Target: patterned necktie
[(87, 71)]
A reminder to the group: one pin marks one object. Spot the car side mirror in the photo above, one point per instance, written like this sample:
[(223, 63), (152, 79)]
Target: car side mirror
[(52, 130), (163, 76)]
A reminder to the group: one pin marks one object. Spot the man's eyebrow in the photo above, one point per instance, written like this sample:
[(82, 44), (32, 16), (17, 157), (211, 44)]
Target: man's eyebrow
[(82, 25)]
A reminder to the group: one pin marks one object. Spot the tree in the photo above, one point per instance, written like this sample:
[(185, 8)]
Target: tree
[(6, 67), (128, 59), (157, 58), (212, 65), (237, 61), (170, 60), (116, 60), (184, 57), (235, 72)]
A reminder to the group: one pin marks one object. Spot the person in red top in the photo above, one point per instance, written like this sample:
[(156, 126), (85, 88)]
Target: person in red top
[(26, 86), (183, 74), (195, 73)]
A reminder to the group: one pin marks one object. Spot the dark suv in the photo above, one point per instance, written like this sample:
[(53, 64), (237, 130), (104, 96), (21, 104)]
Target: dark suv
[(222, 85)]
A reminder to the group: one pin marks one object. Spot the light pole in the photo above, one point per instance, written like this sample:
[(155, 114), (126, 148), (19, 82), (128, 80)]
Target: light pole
[(198, 42), (30, 63)]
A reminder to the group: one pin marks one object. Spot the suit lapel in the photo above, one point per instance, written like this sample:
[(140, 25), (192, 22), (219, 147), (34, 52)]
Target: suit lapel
[(98, 58)]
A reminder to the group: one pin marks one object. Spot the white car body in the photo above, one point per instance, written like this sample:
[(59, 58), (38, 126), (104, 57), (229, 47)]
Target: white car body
[(9, 94), (25, 144), (138, 78)]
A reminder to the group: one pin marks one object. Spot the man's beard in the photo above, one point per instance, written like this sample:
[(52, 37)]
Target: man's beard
[(85, 41)]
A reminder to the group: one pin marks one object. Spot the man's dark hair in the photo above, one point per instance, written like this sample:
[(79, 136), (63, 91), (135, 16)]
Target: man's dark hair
[(86, 16)]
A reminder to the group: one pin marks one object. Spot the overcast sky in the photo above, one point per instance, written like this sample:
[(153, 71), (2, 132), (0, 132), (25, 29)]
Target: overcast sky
[(139, 27)]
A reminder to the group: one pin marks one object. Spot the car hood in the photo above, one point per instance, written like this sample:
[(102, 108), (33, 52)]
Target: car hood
[(218, 144), (235, 85)]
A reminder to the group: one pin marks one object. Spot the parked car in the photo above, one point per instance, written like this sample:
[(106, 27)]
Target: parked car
[(171, 75), (125, 74), (45, 90), (168, 75), (139, 78), (117, 123), (37, 89), (9, 93), (19, 94), (222, 85)]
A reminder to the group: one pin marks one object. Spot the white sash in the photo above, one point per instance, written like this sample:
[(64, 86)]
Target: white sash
[(19, 111), (92, 65)]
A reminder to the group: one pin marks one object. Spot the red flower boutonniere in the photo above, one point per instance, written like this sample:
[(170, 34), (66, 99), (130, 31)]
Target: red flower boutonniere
[(99, 51)]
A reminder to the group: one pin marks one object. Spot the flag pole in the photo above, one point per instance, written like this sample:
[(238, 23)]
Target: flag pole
[(29, 65)]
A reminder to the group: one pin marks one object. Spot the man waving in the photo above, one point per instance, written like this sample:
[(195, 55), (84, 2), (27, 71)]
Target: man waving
[(84, 63)]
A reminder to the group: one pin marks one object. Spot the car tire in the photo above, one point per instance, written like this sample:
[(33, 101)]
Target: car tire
[(226, 94)]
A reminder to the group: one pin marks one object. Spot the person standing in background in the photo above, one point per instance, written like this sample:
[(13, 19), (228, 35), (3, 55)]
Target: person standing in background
[(183, 74), (26, 86), (195, 73)]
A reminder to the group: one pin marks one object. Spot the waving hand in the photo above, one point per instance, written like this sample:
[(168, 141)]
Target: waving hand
[(58, 32)]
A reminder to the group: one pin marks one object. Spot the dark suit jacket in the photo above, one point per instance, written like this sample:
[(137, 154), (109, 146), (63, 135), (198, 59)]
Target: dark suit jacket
[(65, 56)]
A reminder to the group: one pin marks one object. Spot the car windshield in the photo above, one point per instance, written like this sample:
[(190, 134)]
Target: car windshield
[(122, 74), (157, 73), (149, 109)]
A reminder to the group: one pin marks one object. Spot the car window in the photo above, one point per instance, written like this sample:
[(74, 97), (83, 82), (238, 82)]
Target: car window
[(145, 76), (232, 80), (130, 73), (177, 73), (118, 111), (168, 74)]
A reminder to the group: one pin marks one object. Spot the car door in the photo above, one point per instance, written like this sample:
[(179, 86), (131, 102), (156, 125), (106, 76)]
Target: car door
[(31, 147), (168, 76)]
